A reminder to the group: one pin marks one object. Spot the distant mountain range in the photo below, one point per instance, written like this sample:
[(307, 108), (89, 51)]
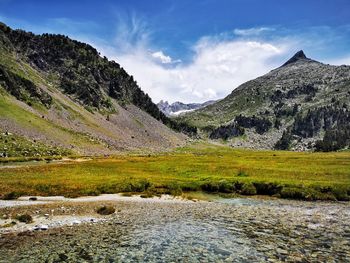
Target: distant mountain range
[(304, 104), (178, 108)]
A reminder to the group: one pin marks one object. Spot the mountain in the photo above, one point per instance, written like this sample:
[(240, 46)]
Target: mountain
[(59, 96), (302, 105), (178, 107)]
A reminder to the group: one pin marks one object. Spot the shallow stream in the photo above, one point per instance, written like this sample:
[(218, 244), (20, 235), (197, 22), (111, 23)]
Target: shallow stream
[(227, 230)]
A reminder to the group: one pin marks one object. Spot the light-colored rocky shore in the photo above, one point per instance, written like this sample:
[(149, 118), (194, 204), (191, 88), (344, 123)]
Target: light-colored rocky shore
[(232, 230)]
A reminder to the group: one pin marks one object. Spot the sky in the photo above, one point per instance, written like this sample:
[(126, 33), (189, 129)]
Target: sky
[(194, 50)]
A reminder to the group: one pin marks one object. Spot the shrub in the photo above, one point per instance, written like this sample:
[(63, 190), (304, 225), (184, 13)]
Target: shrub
[(174, 189), (263, 188), (147, 195), (238, 185), (11, 196), (211, 187), (105, 210), (226, 187), (300, 193), (340, 194), (248, 189), (141, 186), (25, 218), (193, 186), (292, 193)]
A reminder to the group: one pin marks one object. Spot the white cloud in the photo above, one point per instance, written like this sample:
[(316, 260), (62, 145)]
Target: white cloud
[(161, 57), (218, 66), (216, 69)]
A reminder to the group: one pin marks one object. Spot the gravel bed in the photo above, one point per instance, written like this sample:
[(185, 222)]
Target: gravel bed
[(239, 230)]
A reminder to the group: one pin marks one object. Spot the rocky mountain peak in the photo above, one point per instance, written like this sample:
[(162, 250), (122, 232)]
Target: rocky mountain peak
[(297, 57)]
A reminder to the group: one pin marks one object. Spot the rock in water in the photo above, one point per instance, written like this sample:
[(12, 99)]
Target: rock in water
[(76, 222), (41, 227)]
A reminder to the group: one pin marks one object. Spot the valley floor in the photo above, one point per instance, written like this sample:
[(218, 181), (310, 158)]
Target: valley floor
[(200, 167)]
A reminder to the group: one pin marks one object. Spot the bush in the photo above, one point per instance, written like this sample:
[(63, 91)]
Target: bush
[(341, 194), (302, 193), (226, 187), (141, 186), (25, 218), (292, 193), (191, 186), (106, 210), (11, 196), (174, 189), (263, 188), (248, 189), (211, 187)]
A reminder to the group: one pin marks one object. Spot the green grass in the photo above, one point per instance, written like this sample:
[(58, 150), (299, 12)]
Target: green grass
[(28, 120), (12, 145), (199, 167)]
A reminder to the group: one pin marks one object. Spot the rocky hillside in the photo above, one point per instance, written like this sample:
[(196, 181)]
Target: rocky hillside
[(59, 95), (178, 107), (304, 104)]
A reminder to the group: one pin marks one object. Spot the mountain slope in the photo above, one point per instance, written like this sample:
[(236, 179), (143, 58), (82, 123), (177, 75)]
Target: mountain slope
[(303, 99), (178, 107), (60, 93)]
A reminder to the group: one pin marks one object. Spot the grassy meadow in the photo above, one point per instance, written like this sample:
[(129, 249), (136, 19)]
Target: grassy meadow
[(198, 167)]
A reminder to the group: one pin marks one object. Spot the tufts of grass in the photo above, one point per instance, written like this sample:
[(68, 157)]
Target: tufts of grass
[(25, 218), (11, 195), (242, 173), (248, 189), (105, 210), (11, 224)]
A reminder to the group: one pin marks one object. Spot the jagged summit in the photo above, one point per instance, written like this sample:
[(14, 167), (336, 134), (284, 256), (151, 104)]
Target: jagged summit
[(297, 56)]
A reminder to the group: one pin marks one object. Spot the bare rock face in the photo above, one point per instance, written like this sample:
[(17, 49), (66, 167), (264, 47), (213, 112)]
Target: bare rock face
[(297, 57), (307, 103)]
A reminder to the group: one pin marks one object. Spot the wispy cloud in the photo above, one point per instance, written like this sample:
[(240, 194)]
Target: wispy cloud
[(255, 31), (132, 32)]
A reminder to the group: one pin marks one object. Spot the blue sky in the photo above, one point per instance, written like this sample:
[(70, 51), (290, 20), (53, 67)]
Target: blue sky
[(194, 50)]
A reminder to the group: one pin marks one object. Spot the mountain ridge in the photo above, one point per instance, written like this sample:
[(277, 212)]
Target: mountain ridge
[(61, 93), (279, 99)]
